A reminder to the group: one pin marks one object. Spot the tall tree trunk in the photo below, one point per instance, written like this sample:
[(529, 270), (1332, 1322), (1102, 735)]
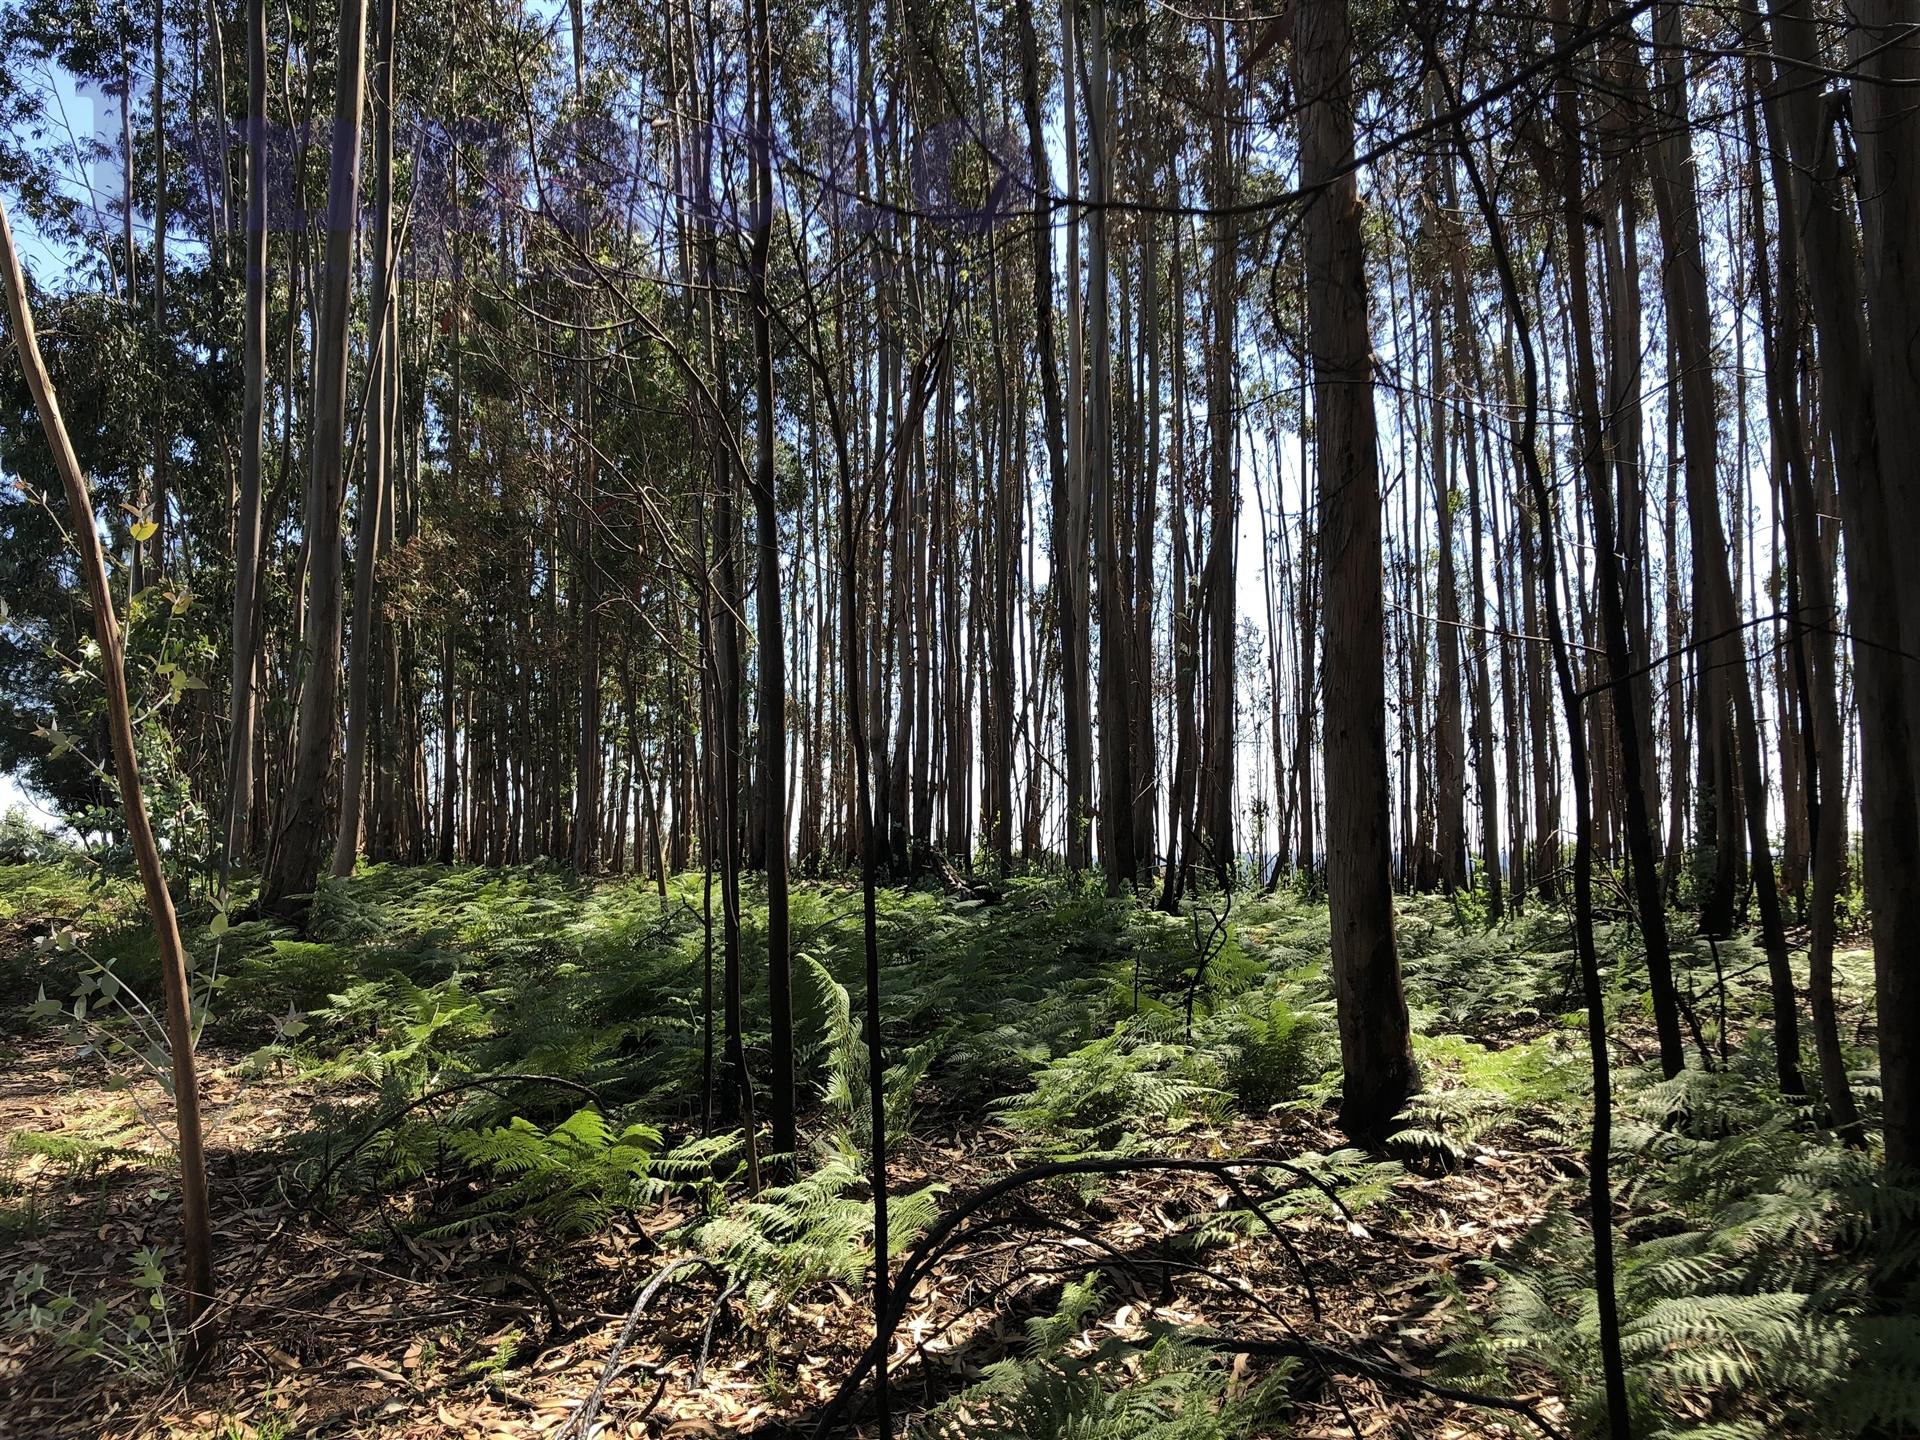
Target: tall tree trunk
[(1810, 602), (1071, 645), (1885, 45), (1308, 583), (1116, 680), (585, 598), (371, 519), (1376, 1047), (1146, 759), (1071, 509), (1449, 778), (1690, 319), (1223, 601), (853, 651), (1850, 396), (1184, 641), (246, 565), (162, 347), (770, 633), (1618, 1415), (449, 655), (1619, 655), (296, 863)]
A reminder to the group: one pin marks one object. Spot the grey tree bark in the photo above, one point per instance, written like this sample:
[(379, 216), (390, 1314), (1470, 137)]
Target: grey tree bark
[(246, 530), (301, 841), (371, 511)]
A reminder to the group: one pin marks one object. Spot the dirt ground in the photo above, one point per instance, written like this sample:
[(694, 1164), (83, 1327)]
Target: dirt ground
[(333, 1324)]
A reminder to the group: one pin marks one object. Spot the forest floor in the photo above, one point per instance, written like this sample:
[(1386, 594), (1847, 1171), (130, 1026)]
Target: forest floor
[(469, 1273)]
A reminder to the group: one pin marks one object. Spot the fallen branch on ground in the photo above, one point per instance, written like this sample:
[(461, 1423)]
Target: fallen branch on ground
[(581, 1421), (1333, 1358), (943, 1236)]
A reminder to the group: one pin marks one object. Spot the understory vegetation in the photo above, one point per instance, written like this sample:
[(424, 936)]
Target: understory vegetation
[(500, 1079)]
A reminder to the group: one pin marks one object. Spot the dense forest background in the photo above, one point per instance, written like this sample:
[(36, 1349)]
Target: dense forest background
[(1306, 579)]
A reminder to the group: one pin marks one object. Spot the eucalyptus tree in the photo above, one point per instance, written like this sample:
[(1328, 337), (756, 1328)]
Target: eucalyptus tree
[(1376, 1040), (299, 844)]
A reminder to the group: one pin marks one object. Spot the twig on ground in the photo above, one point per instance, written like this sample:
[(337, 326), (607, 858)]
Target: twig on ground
[(1332, 1357), (706, 1334), (578, 1424), (942, 1236)]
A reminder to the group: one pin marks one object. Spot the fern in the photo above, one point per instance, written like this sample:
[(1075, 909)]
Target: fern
[(1091, 1100), (1470, 1092), (1750, 1308), (1068, 1387), (566, 1181), (1270, 1047), (414, 1030), (830, 1040), (1358, 1180), (815, 1230)]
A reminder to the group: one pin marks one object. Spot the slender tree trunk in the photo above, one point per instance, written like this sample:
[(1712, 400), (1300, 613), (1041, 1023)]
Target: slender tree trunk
[(297, 858), (449, 655), (1223, 602), (1813, 614), (585, 597), (371, 518), (197, 1238), (1071, 642), (1449, 778), (1307, 587), (1116, 679), (1628, 728), (1146, 758), (770, 631), (1184, 641), (1850, 399), (1691, 322), (246, 600), (1885, 44), (1619, 1420), (162, 431), (1375, 1035), (1071, 506)]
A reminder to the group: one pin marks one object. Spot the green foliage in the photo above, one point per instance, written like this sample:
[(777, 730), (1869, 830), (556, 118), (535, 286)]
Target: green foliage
[(1753, 1251), (1273, 1048), (1097, 1099), (1257, 1048), (134, 1334), (302, 974), (1469, 1091), (393, 1026), (22, 842), (565, 1181), (1357, 1179), (1007, 985), (1484, 984), (820, 1228), (71, 1161), (79, 1158), (45, 891), (1068, 1386), (827, 1037), (107, 1018), (1749, 1279)]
